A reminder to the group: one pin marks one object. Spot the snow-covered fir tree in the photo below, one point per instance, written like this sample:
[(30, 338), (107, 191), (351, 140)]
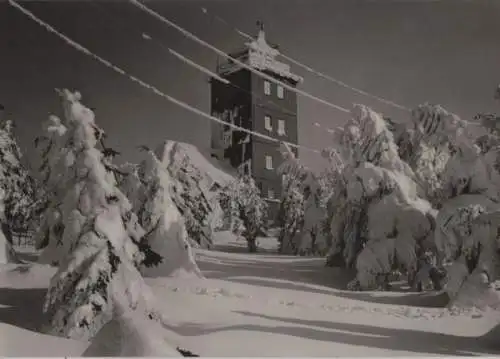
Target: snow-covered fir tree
[(290, 217), (426, 146), (7, 254), (192, 200), (313, 240), (468, 220), (302, 208), (131, 185), (164, 225), (100, 236), (51, 174), (382, 224), (247, 210), (188, 195), (18, 186)]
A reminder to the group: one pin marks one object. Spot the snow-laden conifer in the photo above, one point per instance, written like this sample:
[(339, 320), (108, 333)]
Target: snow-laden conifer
[(466, 233), (383, 224), (164, 225), (246, 209), (101, 238)]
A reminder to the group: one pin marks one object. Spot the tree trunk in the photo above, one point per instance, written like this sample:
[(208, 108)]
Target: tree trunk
[(252, 245)]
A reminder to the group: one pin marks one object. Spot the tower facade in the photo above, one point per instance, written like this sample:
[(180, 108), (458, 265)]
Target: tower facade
[(254, 103)]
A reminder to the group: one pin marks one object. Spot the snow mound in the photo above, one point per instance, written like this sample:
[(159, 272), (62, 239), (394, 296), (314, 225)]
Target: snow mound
[(130, 334)]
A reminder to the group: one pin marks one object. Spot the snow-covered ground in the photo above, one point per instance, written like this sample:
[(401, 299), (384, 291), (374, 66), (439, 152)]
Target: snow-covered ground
[(261, 304)]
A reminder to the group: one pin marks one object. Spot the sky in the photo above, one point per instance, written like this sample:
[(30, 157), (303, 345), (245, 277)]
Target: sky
[(410, 52)]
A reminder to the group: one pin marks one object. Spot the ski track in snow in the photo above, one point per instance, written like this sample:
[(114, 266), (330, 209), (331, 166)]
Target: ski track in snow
[(398, 312)]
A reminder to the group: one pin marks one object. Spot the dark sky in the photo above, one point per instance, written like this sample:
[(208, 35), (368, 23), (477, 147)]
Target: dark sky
[(445, 52)]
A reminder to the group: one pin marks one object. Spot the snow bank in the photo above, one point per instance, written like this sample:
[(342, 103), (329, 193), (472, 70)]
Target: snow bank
[(18, 342)]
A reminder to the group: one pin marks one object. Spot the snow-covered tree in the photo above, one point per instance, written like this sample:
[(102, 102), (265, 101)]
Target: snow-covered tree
[(291, 210), (247, 210), (290, 218), (100, 239), (382, 224), (186, 186), (188, 195), (302, 208), (313, 240), (164, 225), (427, 145), (16, 181), (131, 185), (467, 222), (51, 174), (7, 254)]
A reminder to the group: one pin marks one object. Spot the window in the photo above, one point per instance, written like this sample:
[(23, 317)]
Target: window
[(268, 125), (269, 162), (280, 92), (281, 127), (226, 138), (270, 194), (267, 88)]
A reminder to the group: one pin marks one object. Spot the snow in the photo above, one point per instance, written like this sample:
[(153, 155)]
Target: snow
[(263, 57), (6, 251), (255, 305), (213, 171), (130, 334)]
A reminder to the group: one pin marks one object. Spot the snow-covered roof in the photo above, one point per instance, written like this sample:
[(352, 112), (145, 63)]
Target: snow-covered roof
[(261, 56)]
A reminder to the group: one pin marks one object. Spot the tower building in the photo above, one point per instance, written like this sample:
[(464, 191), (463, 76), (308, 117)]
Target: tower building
[(254, 103)]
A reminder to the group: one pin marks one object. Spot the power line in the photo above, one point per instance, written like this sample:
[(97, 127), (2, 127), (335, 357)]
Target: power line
[(192, 63), (308, 68), (117, 69), (225, 81), (233, 59), (197, 66), (325, 76)]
